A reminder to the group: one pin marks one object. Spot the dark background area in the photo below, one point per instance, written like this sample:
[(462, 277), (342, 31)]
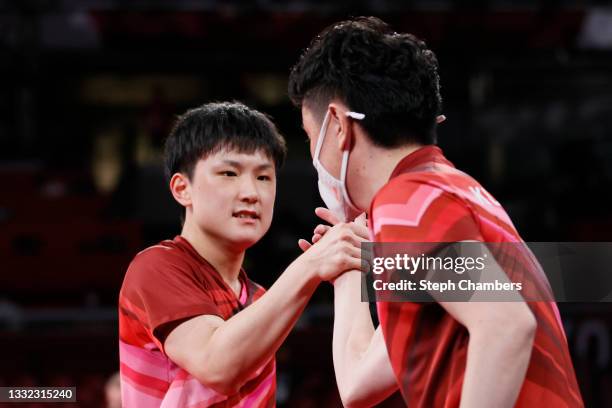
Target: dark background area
[(89, 90)]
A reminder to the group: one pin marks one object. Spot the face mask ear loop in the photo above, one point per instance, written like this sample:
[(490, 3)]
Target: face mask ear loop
[(344, 168), (322, 133), (343, 171)]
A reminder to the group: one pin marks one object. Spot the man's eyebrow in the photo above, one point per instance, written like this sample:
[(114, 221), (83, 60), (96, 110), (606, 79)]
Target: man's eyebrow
[(237, 164), (264, 166), (233, 163)]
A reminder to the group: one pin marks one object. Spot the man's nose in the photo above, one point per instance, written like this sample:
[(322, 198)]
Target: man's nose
[(248, 190)]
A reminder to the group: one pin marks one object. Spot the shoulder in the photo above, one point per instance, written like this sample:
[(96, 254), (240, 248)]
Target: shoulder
[(417, 191), (163, 249), (417, 209), (158, 261), (406, 190), (163, 253)]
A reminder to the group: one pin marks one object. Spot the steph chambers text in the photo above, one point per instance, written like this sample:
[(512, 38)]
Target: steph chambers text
[(462, 285)]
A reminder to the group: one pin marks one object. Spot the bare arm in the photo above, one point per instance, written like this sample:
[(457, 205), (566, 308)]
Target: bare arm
[(363, 370), (499, 349), (501, 338), (361, 363), (225, 354)]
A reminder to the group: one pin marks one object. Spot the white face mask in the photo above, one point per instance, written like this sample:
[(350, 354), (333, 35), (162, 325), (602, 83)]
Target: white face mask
[(333, 191)]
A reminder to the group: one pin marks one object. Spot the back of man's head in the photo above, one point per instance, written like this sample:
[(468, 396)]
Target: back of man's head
[(390, 77)]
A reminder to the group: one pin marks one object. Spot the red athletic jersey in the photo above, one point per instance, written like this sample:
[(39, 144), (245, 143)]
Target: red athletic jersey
[(165, 285), (428, 200)]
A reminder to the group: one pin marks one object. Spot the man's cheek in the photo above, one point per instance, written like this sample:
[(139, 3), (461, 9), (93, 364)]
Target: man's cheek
[(268, 214)]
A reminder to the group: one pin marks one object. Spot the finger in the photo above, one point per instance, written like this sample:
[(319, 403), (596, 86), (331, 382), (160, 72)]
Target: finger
[(355, 253), (367, 254), (349, 236), (352, 252), (321, 229), (440, 119), (353, 264), (304, 245), (357, 236), (327, 215), (316, 238), (361, 231), (365, 258), (362, 264)]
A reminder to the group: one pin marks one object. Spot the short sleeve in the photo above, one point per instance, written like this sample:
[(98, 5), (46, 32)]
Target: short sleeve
[(411, 211), (167, 291)]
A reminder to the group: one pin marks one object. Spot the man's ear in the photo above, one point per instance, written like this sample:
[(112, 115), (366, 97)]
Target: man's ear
[(343, 132), (181, 189)]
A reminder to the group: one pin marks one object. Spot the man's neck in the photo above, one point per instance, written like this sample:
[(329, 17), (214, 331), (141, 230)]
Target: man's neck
[(221, 257), (378, 167)]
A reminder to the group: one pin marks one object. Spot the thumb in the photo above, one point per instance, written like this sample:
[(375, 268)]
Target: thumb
[(327, 215)]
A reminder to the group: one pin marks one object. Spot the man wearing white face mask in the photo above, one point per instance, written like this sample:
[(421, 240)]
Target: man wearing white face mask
[(370, 105), (333, 191)]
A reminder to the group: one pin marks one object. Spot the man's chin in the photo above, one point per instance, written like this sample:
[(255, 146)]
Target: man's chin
[(243, 243)]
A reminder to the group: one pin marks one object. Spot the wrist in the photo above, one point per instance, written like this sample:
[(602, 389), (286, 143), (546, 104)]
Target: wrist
[(307, 269), (347, 279)]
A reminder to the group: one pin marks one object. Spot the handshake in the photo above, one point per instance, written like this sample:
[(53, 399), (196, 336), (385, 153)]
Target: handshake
[(334, 248)]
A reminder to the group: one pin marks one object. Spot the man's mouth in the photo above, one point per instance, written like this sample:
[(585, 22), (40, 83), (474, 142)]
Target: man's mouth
[(246, 214)]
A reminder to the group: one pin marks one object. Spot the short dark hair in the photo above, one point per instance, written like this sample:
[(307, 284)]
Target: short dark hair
[(390, 77), (221, 125)]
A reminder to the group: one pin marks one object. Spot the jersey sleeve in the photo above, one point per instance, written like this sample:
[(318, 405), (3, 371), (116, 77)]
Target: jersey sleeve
[(412, 211), (162, 291)]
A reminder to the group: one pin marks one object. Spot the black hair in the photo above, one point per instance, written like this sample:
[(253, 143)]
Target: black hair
[(212, 127), (390, 77)]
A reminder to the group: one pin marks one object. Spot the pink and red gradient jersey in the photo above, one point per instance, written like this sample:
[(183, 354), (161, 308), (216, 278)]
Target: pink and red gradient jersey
[(428, 200), (165, 285)]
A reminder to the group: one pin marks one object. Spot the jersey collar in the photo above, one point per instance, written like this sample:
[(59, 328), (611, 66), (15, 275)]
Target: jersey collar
[(425, 156), (186, 245)]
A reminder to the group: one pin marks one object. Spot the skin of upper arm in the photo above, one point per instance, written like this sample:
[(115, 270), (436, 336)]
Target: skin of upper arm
[(479, 316), (474, 315), (186, 345), (374, 381)]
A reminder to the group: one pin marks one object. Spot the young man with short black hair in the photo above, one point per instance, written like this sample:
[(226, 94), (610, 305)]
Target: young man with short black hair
[(370, 102), (194, 330)]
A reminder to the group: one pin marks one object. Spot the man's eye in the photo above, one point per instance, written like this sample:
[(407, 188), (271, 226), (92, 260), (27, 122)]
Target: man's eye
[(229, 173), (264, 178)]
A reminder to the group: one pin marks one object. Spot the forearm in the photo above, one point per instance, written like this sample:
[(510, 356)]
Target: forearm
[(496, 365), (247, 340), (353, 329)]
